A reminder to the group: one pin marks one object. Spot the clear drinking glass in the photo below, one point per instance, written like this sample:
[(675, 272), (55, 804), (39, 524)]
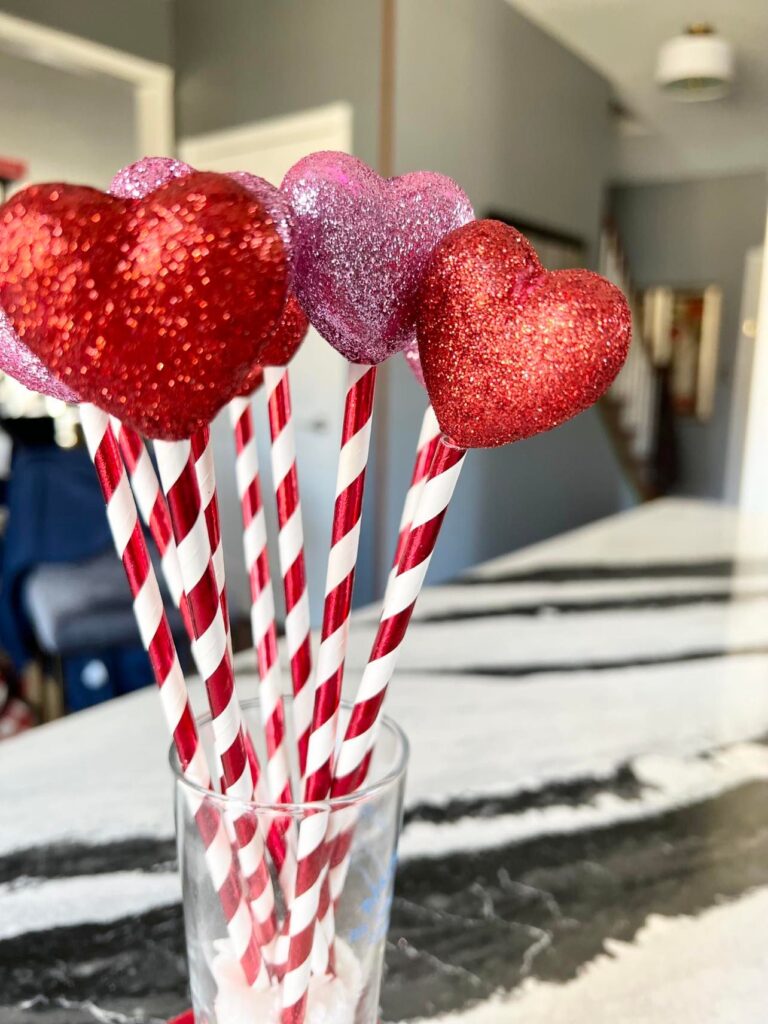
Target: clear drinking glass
[(360, 882)]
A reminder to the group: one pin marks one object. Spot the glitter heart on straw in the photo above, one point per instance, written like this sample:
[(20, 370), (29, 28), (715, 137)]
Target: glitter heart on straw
[(154, 309), (360, 246), (138, 179), (509, 349)]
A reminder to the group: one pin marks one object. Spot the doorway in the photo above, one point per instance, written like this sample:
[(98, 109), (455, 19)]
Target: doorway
[(269, 149)]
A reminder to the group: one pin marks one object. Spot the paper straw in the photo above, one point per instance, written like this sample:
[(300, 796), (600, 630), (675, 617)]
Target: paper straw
[(425, 450), (179, 479), (262, 601), (158, 642), (202, 452), (351, 769), (340, 577), (360, 733), (316, 839), (291, 552), (153, 510), (312, 868)]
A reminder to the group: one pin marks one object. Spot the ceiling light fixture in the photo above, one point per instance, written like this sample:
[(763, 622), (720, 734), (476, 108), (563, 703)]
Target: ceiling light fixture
[(697, 65)]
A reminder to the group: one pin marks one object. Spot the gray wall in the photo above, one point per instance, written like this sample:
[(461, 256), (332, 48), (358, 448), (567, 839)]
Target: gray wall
[(511, 496), (486, 97), (697, 232), (142, 27), (241, 60)]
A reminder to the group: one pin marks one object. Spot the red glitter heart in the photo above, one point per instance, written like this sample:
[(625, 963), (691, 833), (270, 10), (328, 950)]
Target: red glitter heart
[(280, 347), (507, 348), (154, 309)]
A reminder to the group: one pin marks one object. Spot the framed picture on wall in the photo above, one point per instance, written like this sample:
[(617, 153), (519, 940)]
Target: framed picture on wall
[(557, 250), (681, 327)]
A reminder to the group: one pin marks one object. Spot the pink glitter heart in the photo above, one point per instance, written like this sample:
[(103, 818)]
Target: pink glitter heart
[(411, 353), (271, 198), (20, 363), (360, 247), (137, 180)]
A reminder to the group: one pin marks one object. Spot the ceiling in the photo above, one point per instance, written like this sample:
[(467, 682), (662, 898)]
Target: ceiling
[(669, 140)]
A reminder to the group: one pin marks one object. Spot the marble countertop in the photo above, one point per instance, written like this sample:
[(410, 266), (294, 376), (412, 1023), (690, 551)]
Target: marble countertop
[(586, 831)]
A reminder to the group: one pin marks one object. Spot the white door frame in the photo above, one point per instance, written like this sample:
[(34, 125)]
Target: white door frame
[(151, 81), (227, 146)]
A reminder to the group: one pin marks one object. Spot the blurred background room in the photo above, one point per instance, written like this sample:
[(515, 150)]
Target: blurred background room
[(603, 693), (553, 116)]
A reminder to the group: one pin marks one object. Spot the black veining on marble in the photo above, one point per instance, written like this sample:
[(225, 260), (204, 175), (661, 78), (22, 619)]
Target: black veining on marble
[(534, 609), (69, 860), (623, 783), (139, 960), (63, 1010), (586, 572), (463, 925), (522, 670)]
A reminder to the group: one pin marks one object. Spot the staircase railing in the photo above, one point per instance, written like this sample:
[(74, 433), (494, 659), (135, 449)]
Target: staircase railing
[(631, 409)]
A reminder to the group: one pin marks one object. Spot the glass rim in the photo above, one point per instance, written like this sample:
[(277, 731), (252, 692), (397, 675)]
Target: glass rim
[(390, 777)]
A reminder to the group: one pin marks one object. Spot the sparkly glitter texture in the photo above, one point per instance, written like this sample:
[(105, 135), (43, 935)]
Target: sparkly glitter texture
[(253, 380), (509, 350), (18, 362), (281, 346), (139, 179), (291, 330), (156, 309), (360, 247), (411, 353), (145, 176), (272, 199)]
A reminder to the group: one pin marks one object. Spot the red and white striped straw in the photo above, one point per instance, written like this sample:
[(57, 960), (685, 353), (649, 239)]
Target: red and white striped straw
[(340, 577), (339, 583), (158, 641), (353, 759), (202, 452), (351, 767), (425, 450), (262, 600), (153, 510), (179, 479), (291, 552), (312, 857)]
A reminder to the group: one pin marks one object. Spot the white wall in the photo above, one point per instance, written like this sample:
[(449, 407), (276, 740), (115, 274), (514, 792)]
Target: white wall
[(67, 126)]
